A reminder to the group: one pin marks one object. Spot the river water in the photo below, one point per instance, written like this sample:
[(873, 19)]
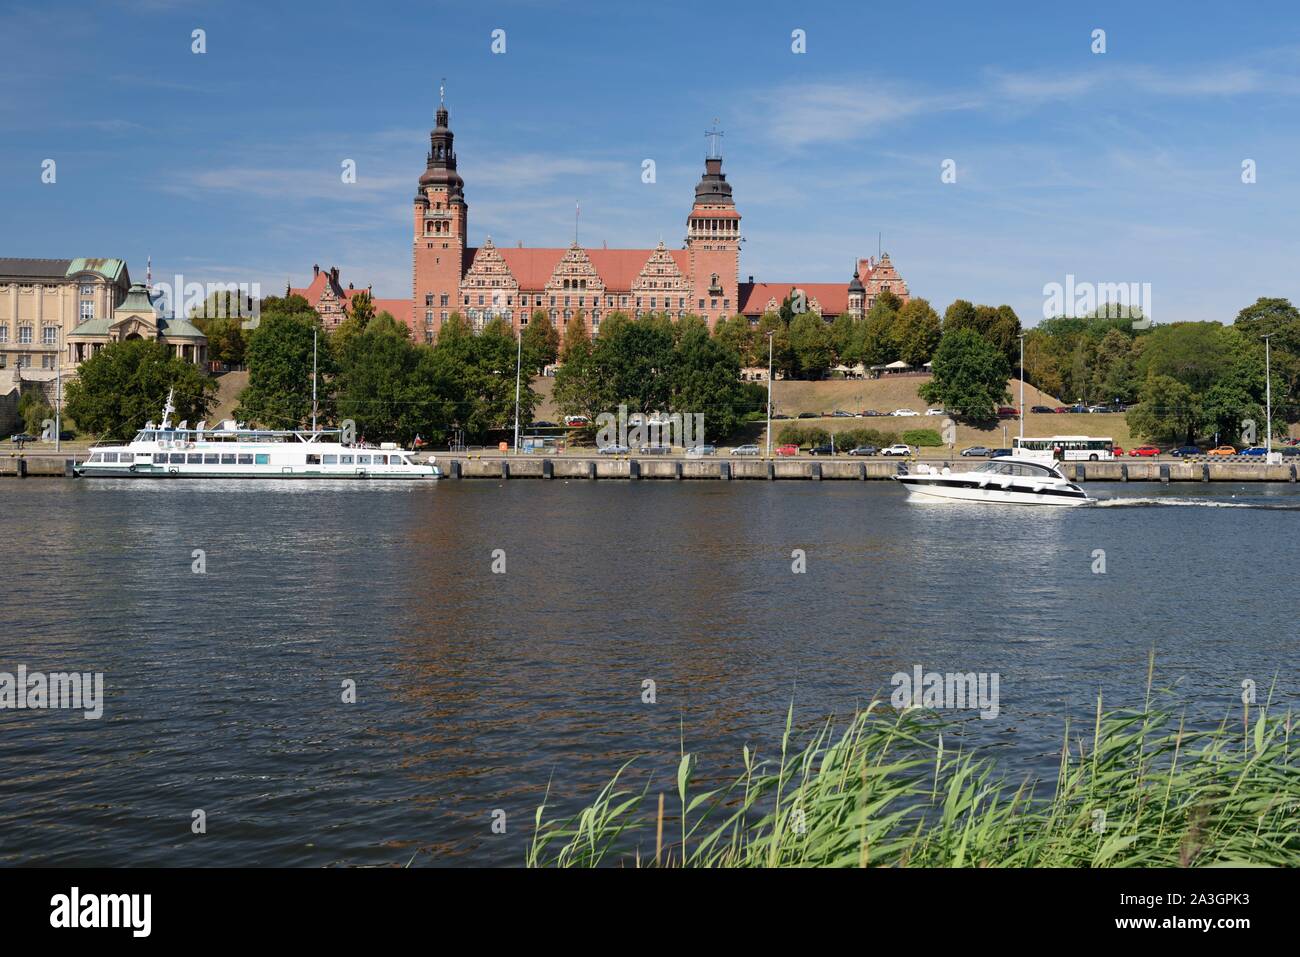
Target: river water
[(225, 673)]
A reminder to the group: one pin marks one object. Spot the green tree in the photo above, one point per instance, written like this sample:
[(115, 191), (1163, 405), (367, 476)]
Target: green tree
[(810, 340), (917, 332), (877, 344), (736, 334), (392, 389), (126, 383), (541, 342), (1167, 410), (970, 376), (706, 381), (279, 355), (960, 314)]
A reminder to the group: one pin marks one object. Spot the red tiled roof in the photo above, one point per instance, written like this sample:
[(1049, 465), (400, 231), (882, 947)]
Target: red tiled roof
[(833, 297), (532, 267), (313, 292), (617, 268)]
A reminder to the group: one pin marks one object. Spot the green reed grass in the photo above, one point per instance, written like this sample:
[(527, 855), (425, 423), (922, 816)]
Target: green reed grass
[(889, 791)]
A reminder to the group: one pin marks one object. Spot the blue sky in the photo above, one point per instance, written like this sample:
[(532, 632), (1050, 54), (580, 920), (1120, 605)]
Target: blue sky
[(1116, 167)]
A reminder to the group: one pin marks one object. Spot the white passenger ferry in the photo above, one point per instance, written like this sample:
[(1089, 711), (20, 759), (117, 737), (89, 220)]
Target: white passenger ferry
[(232, 451)]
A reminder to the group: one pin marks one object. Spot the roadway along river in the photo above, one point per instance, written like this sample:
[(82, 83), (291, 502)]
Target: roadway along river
[(223, 690)]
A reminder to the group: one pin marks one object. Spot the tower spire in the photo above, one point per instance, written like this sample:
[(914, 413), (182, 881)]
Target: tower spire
[(713, 135)]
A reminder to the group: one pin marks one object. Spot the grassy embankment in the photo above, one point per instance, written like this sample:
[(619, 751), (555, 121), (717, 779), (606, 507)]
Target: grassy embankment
[(887, 394), (1138, 789)]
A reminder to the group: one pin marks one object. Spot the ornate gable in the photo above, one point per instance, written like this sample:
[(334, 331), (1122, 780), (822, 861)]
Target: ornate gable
[(489, 270), (573, 272)]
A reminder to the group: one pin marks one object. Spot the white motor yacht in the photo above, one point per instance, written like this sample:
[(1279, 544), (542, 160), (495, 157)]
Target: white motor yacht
[(1009, 480)]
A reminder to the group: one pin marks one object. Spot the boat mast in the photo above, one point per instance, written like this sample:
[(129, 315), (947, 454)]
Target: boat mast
[(313, 379), (168, 409)]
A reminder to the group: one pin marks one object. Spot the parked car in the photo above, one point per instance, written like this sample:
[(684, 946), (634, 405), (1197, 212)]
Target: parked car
[(977, 450), (1000, 453), (1006, 411), (1254, 450), (1117, 451), (543, 425), (1061, 410), (613, 450), (897, 449), (1148, 451), (873, 412), (935, 412), (1290, 451), (826, 449), (787, 450), (1099, 408), (841, 414), (1080, 409), (576, 420), (779, 415), (904, 412), (809, 415), (745, 450), (656, 449), (1223, 450), (1185, 450), (22, 437), (1041, 408), (696, 450), (872, 450)]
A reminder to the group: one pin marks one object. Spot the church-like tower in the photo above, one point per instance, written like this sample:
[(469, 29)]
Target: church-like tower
[(441, 225), (713, 241)]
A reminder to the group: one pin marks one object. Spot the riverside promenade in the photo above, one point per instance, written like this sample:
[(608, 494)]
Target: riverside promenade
[(495, 465)]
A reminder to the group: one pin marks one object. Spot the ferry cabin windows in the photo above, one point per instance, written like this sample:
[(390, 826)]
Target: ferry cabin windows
[(245, 458), (227, 458), (211, 458), (261, 458), (313, 460)]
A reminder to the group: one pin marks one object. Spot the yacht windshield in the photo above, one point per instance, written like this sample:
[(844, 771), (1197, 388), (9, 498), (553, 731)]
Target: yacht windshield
[(1018, 468)]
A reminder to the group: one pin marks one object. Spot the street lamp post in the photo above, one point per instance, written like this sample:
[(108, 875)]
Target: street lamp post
[(769, 393), (58, 393), (519, 366), (1021, 337), (1268, 396)]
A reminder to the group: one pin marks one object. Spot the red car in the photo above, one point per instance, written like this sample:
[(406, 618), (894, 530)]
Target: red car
[(1007, 410), (1117, 452), (1062, 409), (787, 450), (1147, 450)]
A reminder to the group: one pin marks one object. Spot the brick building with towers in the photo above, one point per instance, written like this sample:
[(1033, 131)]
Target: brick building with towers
[(701, 278)]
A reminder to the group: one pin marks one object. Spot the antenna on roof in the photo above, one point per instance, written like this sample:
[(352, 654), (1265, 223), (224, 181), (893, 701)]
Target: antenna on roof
[(442, 92), (713, 135), (880, 238), (148, 273), (577, 211)]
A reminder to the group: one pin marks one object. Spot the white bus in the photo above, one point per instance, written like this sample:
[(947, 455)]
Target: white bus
[(1075, 448)]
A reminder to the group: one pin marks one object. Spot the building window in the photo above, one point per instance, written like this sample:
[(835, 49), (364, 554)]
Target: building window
[(87, 309), (87, 290), (4, 333), (428, 315), (444, 315), (701, 303), (49, 335), (47, 362), (428, 299), (24, 335)]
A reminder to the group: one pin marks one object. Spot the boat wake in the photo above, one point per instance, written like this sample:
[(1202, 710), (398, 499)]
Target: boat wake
[(1186, 502)]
